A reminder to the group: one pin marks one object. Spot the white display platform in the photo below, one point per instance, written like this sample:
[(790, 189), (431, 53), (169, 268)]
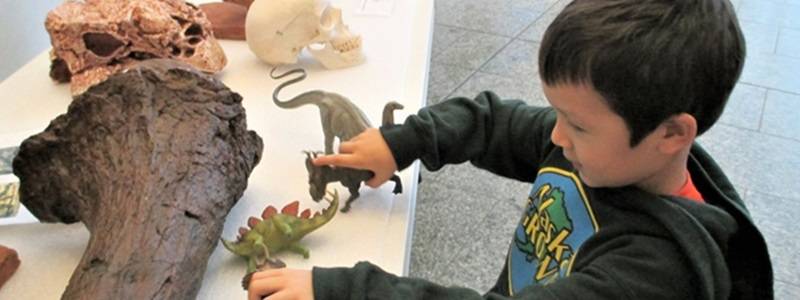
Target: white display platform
[(378, 228)]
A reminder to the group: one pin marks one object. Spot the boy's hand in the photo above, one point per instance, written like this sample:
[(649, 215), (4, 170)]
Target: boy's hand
[(366, 151), (277, 284)]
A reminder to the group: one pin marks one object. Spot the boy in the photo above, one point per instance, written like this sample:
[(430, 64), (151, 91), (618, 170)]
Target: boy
[(624, 205)]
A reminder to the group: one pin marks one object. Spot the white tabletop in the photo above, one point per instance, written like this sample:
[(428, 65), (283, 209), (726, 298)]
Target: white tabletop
[(378, 227)]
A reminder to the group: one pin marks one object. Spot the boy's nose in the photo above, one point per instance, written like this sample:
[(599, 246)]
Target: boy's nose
[(557, 136)]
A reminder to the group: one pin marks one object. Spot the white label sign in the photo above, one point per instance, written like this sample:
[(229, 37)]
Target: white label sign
[(376, 7)]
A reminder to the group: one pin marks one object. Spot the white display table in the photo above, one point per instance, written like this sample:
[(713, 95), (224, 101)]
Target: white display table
[(378, 227)]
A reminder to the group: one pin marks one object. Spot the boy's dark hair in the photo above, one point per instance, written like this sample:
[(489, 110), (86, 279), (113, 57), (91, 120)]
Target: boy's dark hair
[(649, 59)]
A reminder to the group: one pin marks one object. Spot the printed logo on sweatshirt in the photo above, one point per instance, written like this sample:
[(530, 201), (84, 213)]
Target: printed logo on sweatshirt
[(557, 220)]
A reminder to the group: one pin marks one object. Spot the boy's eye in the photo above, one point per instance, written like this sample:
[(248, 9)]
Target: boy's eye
[(577, 128)]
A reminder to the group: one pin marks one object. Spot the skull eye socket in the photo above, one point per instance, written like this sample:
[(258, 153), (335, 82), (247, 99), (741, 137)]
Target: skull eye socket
[(60, 71), (137, 55), (181, 21), (194, 30), (101, 44)]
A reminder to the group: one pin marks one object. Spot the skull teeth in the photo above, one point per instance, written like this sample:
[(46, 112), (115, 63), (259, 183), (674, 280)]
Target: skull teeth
[(347, 45)]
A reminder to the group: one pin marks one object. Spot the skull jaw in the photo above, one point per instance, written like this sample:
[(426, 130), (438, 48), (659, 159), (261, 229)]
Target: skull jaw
[(331, 58), (340, 48)]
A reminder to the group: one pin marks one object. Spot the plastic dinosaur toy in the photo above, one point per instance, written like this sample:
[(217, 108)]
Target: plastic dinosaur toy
[(341, 119), (320, 176), (277, 232)]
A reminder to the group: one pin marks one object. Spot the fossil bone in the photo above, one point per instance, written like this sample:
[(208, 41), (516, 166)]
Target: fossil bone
[(151, 161), (93, 39), (278, 30)]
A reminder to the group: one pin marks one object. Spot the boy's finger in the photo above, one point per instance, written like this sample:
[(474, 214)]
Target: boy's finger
[(357, 137), (373, 183), (263, 287), (325, 160), (279, 296), (376, 182), (341, 160), (264, 274)]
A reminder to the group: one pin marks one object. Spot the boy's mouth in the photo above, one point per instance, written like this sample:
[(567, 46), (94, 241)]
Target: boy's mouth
[(575, 165), (572, 161)]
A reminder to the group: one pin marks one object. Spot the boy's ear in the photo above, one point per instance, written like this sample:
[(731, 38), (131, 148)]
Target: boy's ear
[(678, 132)]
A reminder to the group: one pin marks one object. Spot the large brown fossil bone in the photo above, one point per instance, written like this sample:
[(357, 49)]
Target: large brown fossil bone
[(93, 39), (151, 161)]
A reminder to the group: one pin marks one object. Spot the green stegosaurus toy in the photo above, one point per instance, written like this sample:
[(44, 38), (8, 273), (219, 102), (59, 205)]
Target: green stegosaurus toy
[(277, 232)]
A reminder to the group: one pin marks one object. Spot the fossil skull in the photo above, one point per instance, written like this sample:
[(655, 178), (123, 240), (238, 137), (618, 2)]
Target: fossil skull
[(278, 30), (93, 39)]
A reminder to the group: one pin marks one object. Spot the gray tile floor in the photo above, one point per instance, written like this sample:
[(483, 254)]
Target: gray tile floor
[(465, 216)]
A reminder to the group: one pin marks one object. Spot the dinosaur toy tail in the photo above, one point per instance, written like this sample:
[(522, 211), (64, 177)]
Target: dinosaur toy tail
[(330, 211), (287, 83), (388, 112)]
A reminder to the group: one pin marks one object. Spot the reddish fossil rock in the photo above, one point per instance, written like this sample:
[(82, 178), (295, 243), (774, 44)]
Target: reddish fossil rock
[(151, 161), (227, 19), (93, 39), (9, 262)]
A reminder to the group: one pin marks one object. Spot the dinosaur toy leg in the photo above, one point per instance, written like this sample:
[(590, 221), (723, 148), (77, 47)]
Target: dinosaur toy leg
[(398, 186), (299, 249), (353, 188), (254, 263), (283, 227), (260, 260)]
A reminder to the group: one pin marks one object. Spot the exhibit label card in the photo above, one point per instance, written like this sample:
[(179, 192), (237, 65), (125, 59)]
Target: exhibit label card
[(11, 210), (376, 7)]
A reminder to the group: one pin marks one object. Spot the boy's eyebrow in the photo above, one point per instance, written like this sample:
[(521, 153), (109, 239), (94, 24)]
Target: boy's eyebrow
[(567, 115), (557, 109), (561, 111)]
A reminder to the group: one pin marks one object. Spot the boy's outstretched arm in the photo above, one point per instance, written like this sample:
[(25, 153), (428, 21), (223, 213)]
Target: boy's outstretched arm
[(634, 266), (504, 137), (367, 151)]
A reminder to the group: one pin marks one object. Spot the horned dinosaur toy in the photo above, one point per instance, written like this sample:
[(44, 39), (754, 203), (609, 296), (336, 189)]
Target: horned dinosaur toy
[(320, 176), (341, 119), (277, 232)]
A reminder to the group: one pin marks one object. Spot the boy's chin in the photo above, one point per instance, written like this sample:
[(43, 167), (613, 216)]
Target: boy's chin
[(586, 180), (592, 183)]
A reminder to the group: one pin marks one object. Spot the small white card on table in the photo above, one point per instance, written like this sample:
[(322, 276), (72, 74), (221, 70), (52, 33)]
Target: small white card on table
[(376, 7), (11, 210)]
